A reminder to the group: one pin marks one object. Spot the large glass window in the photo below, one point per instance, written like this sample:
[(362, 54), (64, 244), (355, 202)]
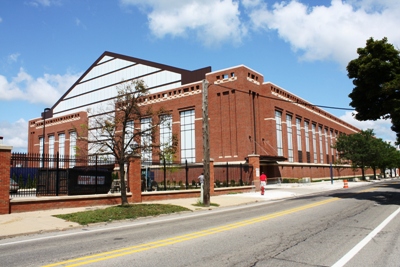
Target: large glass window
[(166, 136), (298, 129), (299, 146), (279, 143), (314, 137), (72, 149), (327, 145), (61, 148), (146, 142), (51, 151), (321, 147), (306, 132), (289, 137), (307, 140), (188, 144), (41, 151)]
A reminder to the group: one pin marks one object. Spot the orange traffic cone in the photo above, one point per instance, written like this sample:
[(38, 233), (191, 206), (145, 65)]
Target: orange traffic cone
[(345, 184)]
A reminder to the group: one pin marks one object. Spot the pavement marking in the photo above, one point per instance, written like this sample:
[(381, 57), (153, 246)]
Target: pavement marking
[(349, 255), (178, 239)]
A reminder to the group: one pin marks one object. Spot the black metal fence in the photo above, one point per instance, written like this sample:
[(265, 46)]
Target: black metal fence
[(177, 176), (54, 175), (233, 175), (48, 175)]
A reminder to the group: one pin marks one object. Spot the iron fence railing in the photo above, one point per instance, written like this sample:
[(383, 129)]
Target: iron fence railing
[(178, 176), (54, 175)]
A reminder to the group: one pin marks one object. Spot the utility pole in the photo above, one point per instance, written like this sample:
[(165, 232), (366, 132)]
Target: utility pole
[(206, 147)]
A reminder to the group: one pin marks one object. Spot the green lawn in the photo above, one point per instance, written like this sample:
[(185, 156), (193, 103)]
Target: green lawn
[(120, 213)]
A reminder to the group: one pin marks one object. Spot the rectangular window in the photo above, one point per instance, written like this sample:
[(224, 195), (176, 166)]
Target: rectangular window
[(188, 144), (327, 145), (307, 140), (51, 151), (321, 147), (289, 137), (314, 138), (279, 143), (146, 140), (298, 133), (41, 152), (61, 148), (72, 149), (166, 136)]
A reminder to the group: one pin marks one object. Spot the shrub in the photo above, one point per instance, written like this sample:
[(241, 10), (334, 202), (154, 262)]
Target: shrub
[(289, 180)]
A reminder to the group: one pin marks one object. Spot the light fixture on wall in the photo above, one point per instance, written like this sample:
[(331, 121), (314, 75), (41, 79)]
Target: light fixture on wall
[(44, 132)]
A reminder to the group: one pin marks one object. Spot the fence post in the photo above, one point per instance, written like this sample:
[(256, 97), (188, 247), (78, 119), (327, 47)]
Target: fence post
[(135, 179), (96, 171), (57, 174), (187, 174), (165, 175), (5, 160)]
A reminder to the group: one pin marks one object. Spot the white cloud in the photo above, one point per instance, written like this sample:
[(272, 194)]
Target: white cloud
[(331, 32), (212, 21), (381, 127), (13, 57), (47, 89), (45, 3), (15, 134), (322, 32)]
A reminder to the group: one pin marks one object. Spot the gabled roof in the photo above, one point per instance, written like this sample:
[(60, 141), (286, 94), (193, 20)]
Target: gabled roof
[(187, 76)]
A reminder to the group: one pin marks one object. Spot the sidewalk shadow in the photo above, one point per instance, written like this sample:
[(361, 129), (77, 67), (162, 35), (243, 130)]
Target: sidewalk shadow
[(391, 196)]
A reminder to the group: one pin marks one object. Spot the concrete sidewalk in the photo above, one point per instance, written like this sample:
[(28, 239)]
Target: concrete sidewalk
[(43, 221)]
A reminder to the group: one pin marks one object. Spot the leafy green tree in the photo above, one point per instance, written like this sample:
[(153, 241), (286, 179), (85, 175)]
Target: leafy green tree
[(376, 76), (390, 158), (358, 148)]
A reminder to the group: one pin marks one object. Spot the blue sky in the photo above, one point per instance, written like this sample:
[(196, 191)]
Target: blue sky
[(303, 46)]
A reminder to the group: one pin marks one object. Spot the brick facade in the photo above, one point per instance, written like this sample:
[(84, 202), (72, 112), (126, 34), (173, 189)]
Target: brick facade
[(5, 159), (241, 123)]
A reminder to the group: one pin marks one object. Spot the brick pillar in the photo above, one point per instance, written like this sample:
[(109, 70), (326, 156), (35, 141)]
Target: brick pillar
[(254, 160), (135, 179), (212, 177), (5, 159)]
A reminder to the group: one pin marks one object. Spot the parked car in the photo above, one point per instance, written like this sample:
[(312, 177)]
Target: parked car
[(13, 186)]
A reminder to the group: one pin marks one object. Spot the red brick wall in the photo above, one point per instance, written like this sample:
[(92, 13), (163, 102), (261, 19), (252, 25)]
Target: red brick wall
[(5, 159), (241, 121), (54, 126)]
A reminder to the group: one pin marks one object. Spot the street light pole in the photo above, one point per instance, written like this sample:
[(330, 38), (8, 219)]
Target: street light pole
[(44, 132)]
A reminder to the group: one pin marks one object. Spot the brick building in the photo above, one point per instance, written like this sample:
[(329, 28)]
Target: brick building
[(247, 117)]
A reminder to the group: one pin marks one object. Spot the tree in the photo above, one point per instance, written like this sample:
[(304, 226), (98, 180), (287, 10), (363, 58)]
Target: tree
[(114, 133), (376, 76), (358, 148), (364, 150), (390, 157)]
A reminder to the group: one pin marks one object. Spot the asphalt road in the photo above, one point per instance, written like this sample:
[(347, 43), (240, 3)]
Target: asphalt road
[(356, 227)]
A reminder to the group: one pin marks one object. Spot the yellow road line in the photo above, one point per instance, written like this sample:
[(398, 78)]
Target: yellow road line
[(177, 239)]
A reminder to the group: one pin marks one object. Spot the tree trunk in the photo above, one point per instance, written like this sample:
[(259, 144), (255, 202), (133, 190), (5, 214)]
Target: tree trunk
[(124, 199)]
